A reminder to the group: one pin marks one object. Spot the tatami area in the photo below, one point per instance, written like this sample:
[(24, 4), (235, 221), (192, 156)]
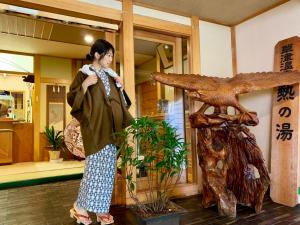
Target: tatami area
[(29, 171)]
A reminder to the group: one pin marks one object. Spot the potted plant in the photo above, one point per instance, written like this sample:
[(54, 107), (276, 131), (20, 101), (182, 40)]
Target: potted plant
[(164, 159), (56, 142)]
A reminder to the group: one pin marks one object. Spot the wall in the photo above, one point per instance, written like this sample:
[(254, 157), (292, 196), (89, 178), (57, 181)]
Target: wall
[(215, 52), (215, 49), (113, 4), (161, 15), (142, 72), (255, 42), (52, 67)]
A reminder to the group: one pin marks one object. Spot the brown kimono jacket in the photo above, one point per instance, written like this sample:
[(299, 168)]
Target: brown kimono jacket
[(99, 115)]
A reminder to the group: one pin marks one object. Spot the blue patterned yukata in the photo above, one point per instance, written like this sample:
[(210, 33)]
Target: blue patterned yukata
[(98, 179)]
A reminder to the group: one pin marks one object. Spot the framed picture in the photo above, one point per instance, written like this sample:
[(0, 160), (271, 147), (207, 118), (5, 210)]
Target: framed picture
[(56, 107), (56, 115)]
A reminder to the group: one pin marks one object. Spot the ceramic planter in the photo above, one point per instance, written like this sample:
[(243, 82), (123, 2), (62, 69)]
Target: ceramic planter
[(54, 155)]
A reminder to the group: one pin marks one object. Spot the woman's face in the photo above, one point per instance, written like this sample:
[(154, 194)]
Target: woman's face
[(107, 59)]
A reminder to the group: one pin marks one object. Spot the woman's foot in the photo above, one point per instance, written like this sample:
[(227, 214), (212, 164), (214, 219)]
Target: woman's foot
[(105, 218), (80, 215)]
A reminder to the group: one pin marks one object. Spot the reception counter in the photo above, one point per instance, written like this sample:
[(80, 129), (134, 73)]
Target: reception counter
[(6, 141), (16, 141)]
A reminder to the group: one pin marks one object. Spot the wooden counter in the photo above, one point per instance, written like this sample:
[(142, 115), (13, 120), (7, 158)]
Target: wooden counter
[(16, 141), (23, 142), (6, 141)]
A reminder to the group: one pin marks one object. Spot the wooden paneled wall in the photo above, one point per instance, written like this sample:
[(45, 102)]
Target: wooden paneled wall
[(148, 98)]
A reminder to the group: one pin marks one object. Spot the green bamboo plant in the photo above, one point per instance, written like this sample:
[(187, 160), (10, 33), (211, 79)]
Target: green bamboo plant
[(164, 161), (55, 139)]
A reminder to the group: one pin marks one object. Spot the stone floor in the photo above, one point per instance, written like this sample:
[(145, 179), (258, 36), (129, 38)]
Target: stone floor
[(49, 204)]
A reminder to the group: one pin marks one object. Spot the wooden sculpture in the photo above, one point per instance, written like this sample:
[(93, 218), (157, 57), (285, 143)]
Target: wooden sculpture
[(231, 161)]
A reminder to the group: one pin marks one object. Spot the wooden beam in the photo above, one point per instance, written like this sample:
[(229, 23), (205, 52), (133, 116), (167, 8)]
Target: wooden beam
[(233, 51), (70, 8), (54, 80), (36, 108), (154, 37), (15, 73), (161, 25), (15, 53)]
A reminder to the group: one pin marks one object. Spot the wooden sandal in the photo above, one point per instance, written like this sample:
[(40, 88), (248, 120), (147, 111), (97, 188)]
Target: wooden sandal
[(105, 219), (81, 219)]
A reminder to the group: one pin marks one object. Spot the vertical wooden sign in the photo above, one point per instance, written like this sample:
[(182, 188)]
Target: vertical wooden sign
[(285, 123)]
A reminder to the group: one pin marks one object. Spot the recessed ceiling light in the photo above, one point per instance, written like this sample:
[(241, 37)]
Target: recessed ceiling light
[(88, 39), (166, 46)]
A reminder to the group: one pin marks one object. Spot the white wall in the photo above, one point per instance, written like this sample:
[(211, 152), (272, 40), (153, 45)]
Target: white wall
[(255, 42), (215, 49), (161, 15), (53, 67), (114, 4), (59, 68)]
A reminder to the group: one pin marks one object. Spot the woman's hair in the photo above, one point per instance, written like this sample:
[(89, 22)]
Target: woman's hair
[(102, 47)]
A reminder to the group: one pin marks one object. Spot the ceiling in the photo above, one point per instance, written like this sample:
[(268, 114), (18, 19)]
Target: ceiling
[(28, 26), (40, 35), (226, 12), (27, 34)]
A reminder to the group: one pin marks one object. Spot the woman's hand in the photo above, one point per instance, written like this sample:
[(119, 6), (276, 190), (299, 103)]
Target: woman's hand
[(90, 80), (119, 80)]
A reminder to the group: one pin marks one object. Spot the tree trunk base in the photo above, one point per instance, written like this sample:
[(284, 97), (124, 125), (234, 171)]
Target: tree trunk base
[(233, 168)]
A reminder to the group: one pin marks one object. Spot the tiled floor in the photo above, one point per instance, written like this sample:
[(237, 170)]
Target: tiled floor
[(49, 204), (35, 170)]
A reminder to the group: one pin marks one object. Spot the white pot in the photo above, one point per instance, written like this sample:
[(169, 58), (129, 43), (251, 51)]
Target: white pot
[(54, 155)]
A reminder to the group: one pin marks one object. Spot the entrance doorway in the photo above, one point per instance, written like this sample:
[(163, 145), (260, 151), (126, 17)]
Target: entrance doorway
[(167, 54), (57, 46)]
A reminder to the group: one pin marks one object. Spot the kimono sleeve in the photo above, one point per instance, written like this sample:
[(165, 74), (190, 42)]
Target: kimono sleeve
[(76, 98)]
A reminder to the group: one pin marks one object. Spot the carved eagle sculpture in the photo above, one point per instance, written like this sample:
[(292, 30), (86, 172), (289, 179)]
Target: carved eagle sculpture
[(223, 92)]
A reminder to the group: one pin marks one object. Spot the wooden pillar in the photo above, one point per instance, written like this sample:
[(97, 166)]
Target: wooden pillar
[(195, 46), (127, 67), (195, 68), (233, 51), (127, 50), (36, 108), (111, 38), (285, 124), (158, 84)]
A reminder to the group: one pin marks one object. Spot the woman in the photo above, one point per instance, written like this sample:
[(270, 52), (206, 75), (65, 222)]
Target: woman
[(98, 104)]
